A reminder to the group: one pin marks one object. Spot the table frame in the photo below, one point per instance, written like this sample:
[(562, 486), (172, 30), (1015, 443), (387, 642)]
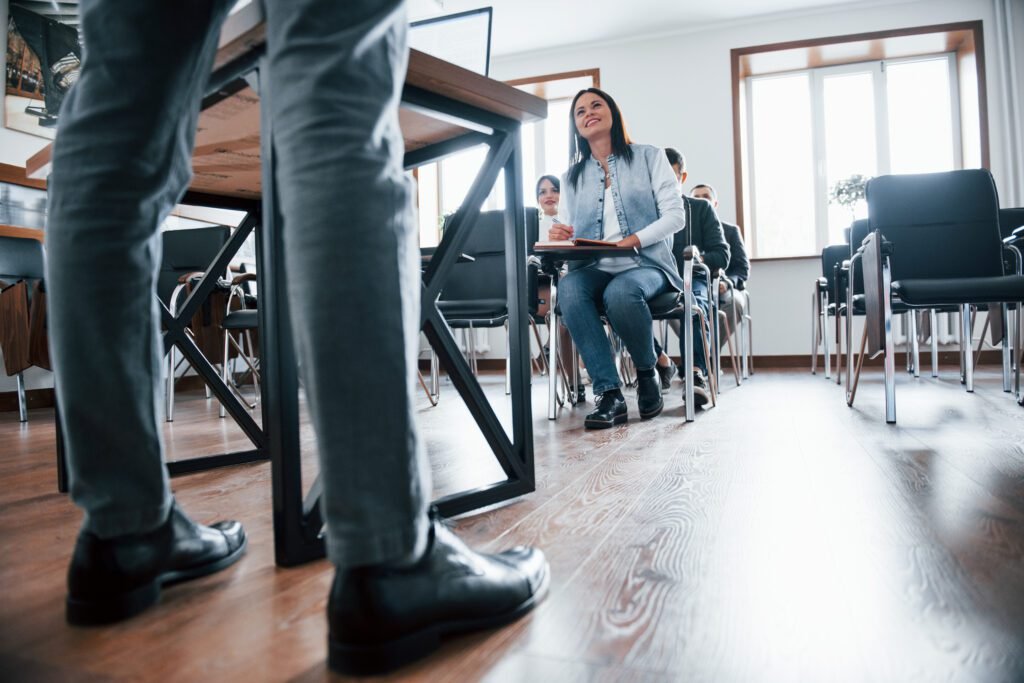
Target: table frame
[(298, 525)]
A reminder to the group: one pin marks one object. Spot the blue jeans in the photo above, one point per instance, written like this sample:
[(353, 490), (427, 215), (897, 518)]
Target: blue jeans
[(584, 293), (122, 159)]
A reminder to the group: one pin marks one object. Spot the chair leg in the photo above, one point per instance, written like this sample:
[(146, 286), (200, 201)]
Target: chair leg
[(968, 356), (981, 343), (933, 320), (169, 387), (224, 374), (914, 345), (251, 362), (543, 360), (964, 344), (890, 347), (750, 339), (22, 399), (709, 337), (1004, 311), (552, 351), (839, 346), (433, 401), (435, 376), (724, 317), (826, 357), (688, 355), (815, 324), (853, 377), (508, 361)]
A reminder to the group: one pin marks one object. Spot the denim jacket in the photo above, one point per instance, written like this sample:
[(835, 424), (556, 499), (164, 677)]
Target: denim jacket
[(647, 203)]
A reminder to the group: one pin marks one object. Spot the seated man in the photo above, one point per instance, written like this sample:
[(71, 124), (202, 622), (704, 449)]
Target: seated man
[(704, 231), (733, 299)]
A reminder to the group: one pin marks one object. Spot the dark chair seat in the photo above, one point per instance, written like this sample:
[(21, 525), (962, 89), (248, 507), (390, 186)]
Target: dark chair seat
[(975, 290), (242, 319), (667, 305), (480, 311)]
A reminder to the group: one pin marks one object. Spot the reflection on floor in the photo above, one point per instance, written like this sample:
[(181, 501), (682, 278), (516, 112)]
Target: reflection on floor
[(780, 537)]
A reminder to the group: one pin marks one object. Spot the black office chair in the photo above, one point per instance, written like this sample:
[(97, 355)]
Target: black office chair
[(935, 241), (187, 253), (682, 307), (22, 311), (475, 294)]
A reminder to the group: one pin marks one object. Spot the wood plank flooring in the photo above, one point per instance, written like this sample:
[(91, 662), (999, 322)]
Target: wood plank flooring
[(780, 537)]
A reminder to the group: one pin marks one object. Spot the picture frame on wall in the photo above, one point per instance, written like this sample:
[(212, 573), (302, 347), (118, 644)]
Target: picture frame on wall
[(43, 62)]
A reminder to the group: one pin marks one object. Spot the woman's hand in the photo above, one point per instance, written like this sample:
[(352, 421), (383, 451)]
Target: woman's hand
[(631, 241), (559, 232)]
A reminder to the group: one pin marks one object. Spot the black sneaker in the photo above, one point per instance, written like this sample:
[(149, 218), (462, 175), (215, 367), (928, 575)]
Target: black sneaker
[(701, 393), (581, 393), (666, 374)]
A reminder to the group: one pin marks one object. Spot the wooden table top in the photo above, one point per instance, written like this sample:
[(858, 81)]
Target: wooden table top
[(226, 161)]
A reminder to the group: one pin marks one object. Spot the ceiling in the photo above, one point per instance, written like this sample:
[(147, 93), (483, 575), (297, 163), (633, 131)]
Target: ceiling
[(525, 25)]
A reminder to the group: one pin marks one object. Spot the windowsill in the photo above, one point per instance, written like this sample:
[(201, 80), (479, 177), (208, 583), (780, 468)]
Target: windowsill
[(784, 258)]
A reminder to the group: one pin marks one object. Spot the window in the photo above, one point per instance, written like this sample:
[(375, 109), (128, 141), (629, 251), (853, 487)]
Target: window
[(811, 129), (810, 115), (442, 186)]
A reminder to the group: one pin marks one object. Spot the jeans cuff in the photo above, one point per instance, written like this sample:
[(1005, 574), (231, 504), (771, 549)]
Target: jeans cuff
[(600, 389), (377, 546)]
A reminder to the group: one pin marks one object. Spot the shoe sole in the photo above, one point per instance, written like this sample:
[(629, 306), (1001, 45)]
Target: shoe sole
[(81, 612), (380, 658), (603, 424), (653, 413)]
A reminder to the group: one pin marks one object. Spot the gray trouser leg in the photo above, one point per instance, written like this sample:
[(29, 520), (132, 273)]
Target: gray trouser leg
[(120, 162), (336, 71)]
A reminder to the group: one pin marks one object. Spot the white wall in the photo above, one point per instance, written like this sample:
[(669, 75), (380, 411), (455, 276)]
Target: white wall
[(676, 90)]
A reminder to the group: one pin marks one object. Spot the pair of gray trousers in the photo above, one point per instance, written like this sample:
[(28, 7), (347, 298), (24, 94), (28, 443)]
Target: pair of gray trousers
[(122, 159)]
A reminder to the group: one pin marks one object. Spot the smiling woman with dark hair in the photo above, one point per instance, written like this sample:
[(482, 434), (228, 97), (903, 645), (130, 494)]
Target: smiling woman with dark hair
[(625, 193)]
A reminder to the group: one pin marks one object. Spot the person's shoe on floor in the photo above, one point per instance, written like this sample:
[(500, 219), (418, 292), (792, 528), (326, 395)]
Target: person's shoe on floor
[(648, 394), (381, 617), (701, 393), (114, 579), (611, 411), (665, 374)]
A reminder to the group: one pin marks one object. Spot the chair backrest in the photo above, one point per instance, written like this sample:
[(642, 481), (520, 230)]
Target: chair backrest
[(941, 225), (833, 255), (484, 278), (20, 259), (1010, 220), (187, 251), (858, 231)]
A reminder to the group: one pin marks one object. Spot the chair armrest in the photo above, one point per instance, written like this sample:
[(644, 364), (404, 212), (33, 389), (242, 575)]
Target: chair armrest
[(189, 276), (692, 253), (820, 284), (244, 277)]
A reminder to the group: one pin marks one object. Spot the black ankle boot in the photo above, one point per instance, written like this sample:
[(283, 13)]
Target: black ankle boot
[(611, 411), (648, 394), (381, 618), (113, 579)]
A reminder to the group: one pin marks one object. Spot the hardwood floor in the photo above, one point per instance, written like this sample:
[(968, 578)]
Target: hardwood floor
[(780, 537)]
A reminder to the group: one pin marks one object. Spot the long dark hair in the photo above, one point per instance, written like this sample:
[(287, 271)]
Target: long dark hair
[(552, 179), (579, 148)]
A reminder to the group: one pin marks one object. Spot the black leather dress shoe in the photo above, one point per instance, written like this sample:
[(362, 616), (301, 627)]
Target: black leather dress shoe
[(382, 618), (648, 397), (611, 411), (113, 579)]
